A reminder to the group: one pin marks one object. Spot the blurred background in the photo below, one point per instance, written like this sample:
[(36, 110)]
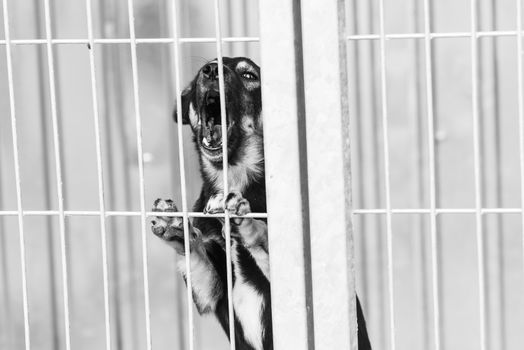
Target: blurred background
[(409, 173), (408, 165), (77, 136)]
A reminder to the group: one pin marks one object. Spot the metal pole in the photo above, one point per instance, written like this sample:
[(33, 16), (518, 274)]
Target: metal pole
[(286, 174)]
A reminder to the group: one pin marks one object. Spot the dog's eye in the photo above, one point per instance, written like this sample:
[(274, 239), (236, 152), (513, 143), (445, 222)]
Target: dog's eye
[(249, 76)]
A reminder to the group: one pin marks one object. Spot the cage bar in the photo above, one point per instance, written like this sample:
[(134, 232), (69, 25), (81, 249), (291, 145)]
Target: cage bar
[(225, 164), (111, 76), (100, 173), (189, 40), (140, 154), (58, 169), (328, 157), (18, 183), (400, 36), (286, 175), (387, 186), (185, 218), (129, 41), (419, 223), (428, 54), (520, 91), (520, 97), (376, 211), (477, 174), (124, 213)]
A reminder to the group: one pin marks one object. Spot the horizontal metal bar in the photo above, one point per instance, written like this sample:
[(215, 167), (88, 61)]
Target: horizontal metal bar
[(441, 211), (259, 215), (128, 41), (499, 33), (495, 33), (126, 213)]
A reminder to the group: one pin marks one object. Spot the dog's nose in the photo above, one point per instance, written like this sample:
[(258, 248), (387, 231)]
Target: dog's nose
[(210, 71)]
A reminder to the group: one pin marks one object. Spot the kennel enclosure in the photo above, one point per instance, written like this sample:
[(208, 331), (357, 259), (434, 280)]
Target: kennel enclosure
[(394, 158)]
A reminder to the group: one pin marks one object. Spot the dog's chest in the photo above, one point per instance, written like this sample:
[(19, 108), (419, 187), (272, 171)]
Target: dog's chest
[(248, 304), (238, 177), (248, 167)]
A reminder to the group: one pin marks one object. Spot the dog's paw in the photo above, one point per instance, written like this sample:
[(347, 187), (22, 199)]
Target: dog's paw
[(168, 228), (215, 204), (237, 205)]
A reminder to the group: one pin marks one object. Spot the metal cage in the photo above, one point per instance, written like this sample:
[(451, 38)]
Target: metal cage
[(330, 70)]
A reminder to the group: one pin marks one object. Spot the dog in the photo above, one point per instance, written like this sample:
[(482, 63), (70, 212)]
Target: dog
[(246, 183)]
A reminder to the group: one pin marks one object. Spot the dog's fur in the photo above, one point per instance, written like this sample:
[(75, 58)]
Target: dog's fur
[(246, 183)]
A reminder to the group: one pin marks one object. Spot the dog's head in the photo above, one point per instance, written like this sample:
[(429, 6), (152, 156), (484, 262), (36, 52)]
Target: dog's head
[(201, 107)]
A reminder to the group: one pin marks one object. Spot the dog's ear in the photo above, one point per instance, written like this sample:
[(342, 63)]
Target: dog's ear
[(186, 97)]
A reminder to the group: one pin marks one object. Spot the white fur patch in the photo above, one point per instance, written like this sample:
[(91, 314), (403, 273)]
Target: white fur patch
[(203, 281), (244, 65), (248, 304), (194, 119), (247, 168), (254, 236), (215, 204), (248, 308)]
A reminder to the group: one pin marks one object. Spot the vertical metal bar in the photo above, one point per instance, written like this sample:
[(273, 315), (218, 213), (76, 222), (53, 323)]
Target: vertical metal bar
[(56, 74), (46, 174), (520, 79), (286, 174), (484, 156), (58, 167), (12, 107), (113, 76), (96, 116), (492, 189), (419, 226), (136, 98), (225, 164), (498, 179), (328, 157), (178, 93), (112, 96), (378, 198), (434, 87), (432, 174), (5, 335), (358, 120), (170, 23), (389, 233), (477, 172)]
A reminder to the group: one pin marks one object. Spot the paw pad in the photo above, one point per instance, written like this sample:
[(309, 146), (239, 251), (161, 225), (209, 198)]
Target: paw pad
[(166, 227)]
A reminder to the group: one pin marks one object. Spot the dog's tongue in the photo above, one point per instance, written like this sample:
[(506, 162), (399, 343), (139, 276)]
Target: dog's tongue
[(213, 134), (217, 133)]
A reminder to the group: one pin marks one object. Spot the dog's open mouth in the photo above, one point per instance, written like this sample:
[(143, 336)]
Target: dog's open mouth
[(211, 122)]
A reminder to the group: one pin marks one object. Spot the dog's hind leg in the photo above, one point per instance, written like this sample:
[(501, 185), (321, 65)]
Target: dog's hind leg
[(206, 286)]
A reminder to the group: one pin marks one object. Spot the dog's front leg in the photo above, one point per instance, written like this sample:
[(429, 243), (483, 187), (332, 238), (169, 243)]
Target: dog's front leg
[(206, 286), (252, 233), (251, 295)]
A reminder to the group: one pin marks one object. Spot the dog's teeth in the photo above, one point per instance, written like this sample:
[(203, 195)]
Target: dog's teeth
[(205, 142)]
